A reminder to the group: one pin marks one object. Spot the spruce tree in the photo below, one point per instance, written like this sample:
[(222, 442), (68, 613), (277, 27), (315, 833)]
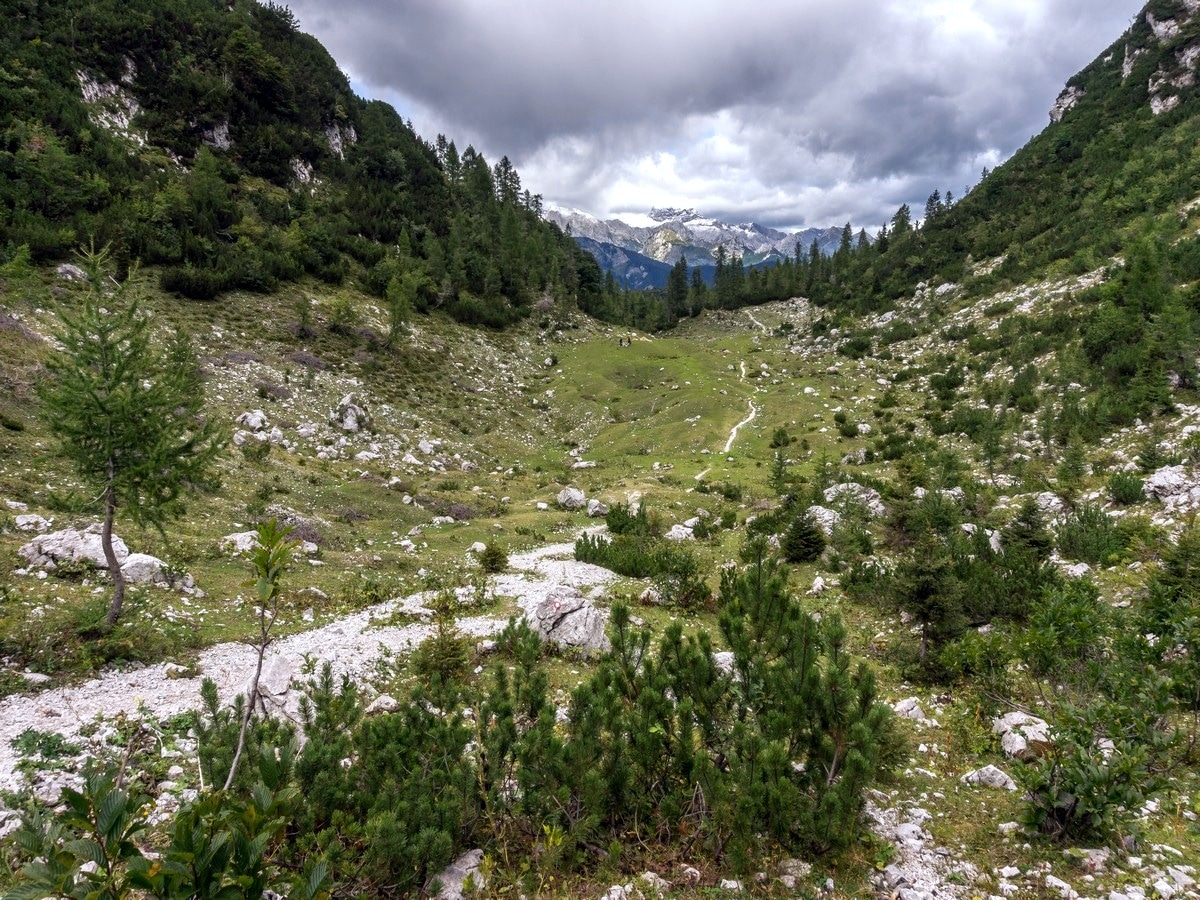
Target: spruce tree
[(804, 541), (127, 412)]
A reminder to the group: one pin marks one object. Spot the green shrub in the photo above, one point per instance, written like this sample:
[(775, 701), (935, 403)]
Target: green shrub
[(1091, 536), (1126, 488), (621, 520), (493, 559), (803, 541)]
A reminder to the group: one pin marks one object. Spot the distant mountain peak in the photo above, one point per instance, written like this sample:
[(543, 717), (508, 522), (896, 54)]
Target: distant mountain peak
[(671, 214)]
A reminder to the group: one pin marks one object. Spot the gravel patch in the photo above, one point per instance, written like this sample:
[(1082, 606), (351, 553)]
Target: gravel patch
[(352, 644)]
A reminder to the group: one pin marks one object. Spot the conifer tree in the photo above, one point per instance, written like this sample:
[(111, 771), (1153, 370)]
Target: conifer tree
[(804, 541), (127, 412)]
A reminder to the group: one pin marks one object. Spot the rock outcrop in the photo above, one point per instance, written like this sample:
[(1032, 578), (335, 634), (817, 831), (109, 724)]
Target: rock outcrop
[(567, 618), (48, 551)]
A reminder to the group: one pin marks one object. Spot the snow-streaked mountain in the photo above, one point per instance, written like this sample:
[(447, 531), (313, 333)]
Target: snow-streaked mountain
[(685, 232)]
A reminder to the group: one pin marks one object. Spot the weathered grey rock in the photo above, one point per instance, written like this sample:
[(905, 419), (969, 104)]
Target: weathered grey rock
[(1166, 482), (142, 568), (654, 883), (895, 877), (70, 272), (276, 680), (452, 880), (1057, 884), (723, 660), (240, 541), (70, 545), (1022, 736), (1079, 570), (854, 492), (1049, 504), (384, 703), (679, 533), (1181, 878), (826, 519), (910, 708), (992, 777), (350, 415), (253, 420), (571, 498), (584, 464), (31, 522), (596, 509), (796, 868), (567, 618)]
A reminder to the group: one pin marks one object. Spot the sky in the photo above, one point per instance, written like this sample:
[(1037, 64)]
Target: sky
[(789, 113)]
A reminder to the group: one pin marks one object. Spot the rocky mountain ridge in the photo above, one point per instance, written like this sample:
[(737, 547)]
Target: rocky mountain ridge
[(686, 233)]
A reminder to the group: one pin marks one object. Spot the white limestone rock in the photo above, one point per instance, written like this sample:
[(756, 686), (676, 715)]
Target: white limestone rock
[(32, 522), (142, 568), (350, 415), (571, 498), (47, 551), (240, 541), (567, 618), (1022, 736), (253, 420), (853, 492), (826, 519), (451, 882), (991, 777)]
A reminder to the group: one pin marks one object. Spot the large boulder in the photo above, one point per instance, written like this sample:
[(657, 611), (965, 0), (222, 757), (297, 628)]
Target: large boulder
[(275, 682), (596, 509), (48, 551), (31, 522), (992, 777), (679, 533), (142, 568), (254, 420), (567, 618), (853, 492), (240, 541), (350, 415), (451, 881), (826, 519), (1022, 736), (571, 498), (1176, 487)]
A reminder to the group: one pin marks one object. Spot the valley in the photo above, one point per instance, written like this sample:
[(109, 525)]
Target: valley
[(471, 437), (371, 526)]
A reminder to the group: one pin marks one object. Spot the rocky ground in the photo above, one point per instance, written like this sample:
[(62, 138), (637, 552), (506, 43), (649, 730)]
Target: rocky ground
[(354, 645)]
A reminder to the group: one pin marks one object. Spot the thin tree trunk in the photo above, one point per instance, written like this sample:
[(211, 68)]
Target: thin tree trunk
[(246, 713), (110, 555)]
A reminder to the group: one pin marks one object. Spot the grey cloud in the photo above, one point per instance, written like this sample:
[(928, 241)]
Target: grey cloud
[(839, 110)]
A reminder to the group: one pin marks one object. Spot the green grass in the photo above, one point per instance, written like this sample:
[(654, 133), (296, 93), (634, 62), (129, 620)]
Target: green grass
[(667, 399)]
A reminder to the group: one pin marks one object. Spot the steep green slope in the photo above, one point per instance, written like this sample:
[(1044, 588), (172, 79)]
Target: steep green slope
[(217, 141)]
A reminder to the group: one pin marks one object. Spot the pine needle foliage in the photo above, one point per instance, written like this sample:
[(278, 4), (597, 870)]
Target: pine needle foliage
[(127, 412)]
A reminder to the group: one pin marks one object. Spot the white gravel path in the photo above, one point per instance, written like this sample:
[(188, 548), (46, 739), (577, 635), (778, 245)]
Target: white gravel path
[(738, 426), (352, 644)]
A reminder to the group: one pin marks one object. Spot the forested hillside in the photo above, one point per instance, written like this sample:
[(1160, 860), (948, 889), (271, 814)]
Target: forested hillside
[(217, 142)]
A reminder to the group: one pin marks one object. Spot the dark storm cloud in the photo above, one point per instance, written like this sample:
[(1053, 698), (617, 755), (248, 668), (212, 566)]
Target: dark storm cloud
[(788, 113)]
